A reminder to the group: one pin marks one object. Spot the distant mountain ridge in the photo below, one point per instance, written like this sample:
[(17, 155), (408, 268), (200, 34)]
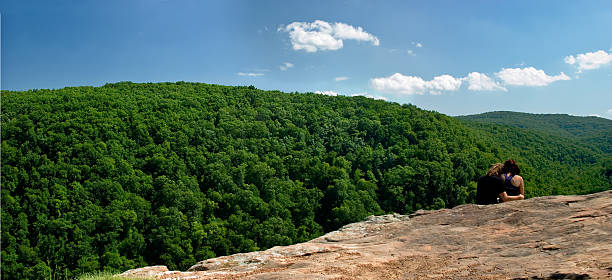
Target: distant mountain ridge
[(590, 130)]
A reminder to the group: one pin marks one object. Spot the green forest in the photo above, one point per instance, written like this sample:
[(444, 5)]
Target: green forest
[(593, 131), (128, 175)]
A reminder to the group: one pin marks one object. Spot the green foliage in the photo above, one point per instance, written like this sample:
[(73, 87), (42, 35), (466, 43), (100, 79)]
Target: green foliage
[(128, 175), (591, 131)]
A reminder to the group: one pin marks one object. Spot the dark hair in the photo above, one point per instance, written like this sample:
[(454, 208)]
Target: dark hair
[(511, 167)]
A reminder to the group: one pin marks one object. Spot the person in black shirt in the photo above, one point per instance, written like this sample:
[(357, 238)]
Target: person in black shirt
[(491, 187)]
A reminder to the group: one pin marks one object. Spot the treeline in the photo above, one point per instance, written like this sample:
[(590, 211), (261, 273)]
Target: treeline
[(590, 131), (128, 175)]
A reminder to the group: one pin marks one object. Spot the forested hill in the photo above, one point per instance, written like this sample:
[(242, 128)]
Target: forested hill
[(128, 175), (589, 130)]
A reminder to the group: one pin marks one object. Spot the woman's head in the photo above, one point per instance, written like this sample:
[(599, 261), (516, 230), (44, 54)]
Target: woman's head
[(511, 167), (495, 169)]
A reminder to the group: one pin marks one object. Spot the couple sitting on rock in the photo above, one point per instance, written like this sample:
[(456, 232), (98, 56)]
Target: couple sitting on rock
[(502, 183)]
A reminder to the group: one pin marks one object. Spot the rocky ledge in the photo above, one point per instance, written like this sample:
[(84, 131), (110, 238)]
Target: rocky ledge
[(554, 237)]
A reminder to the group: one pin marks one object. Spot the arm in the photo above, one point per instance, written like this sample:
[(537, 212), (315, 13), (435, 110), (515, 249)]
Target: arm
[(517, 181), (505, 197)]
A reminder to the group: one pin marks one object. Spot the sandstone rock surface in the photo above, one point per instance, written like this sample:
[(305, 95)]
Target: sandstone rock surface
[(555, 237)]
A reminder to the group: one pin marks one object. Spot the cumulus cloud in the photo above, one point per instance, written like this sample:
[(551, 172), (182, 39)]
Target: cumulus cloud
[(250, 74), (590, 60), (320, 35), (327, 92), (481, 82), (285, 66), (411, 52), (399, 83), (365, 94), (528, 77), (338, 79)]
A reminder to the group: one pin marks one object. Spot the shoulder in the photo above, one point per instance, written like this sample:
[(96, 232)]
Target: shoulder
[(489, 181), (483, 178), (490, 178), (517, 179)]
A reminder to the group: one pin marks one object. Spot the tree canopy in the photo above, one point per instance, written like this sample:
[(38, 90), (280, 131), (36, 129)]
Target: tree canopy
[(591, 131)]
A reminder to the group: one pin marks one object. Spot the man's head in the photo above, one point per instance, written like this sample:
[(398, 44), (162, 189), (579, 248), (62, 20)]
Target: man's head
[(495, 169)]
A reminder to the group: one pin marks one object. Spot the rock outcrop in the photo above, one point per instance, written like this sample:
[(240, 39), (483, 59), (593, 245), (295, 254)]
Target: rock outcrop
[(555, 237)]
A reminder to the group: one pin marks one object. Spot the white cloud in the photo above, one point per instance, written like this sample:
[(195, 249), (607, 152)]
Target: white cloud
[(365, 94), (590, 60), (250, 74), (415, 85), (327, 92), (445, 82), (570, 59), (285, 66), (419, 45), (609, 112), (410, 52), (528, 77), (348, 32), (398, 83), (320, 35), (338, 79), (481, 82)]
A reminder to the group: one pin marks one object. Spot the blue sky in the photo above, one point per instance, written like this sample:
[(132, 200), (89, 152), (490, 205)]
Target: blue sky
[(454, 57)]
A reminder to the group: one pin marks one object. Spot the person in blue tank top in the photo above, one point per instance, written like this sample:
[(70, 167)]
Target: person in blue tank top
[(513, 182)]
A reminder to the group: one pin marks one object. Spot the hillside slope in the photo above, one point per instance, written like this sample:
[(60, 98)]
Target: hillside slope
[(127, 175), (593, 131), (556, 237)]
